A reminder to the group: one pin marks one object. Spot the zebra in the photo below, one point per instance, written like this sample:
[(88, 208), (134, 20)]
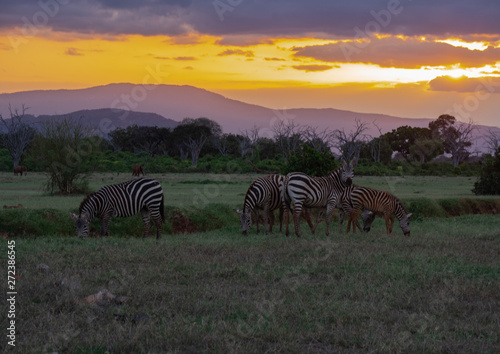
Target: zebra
[(378, 202), (124, 199), (263, 194), (367, 216), (315, 192)]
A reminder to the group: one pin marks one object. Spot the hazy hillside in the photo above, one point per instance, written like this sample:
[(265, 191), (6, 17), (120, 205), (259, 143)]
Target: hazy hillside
[(169, 104)]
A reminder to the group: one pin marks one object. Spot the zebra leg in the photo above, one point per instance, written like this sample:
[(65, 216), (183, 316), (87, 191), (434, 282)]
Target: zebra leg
[(105, 225), (158, 222), (286, 218), (297, 211), (281, 219), (328, 216), (266, 219), (387, 223), (307, 216), (392, 223), (147, 222), (271, 221), (341, 219)]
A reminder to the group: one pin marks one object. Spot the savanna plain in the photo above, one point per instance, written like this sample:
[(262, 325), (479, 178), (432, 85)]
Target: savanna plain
[(204, 287)]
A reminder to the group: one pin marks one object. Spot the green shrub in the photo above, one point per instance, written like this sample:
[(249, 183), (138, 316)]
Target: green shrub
[(489, 178), (310, 161)]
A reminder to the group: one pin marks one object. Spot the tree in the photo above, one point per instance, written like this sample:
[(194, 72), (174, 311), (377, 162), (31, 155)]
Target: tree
[(18, 134), (310, 161), (456, 138), (288, 136), (349, 144), (489, 178), (492, 139), (192, 134), (68, 152), (404, 137), (426, 149)]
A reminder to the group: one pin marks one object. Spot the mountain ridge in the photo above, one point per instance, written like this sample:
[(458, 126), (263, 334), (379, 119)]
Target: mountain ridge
[(176, 102)]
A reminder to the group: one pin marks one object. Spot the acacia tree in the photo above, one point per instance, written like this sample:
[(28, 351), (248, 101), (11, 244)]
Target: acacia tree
[(18, 134), (68, 152), (456, 138)]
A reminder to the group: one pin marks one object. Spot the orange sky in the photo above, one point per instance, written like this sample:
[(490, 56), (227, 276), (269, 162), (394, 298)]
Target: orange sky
[(392, 73)]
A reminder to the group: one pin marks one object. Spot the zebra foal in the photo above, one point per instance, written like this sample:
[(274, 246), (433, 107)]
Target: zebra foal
[(315, 192), (263, 194), (376, 201), (124, 199)]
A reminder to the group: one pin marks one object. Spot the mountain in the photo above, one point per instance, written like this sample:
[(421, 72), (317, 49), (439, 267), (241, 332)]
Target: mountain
[(107, 119), (174, 103)]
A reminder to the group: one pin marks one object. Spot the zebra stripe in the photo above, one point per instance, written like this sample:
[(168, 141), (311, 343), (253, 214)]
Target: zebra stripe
[(124, 199), (263, 194), (315, 192), (357, 198)]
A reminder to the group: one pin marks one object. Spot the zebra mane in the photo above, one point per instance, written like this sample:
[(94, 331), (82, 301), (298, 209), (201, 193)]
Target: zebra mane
[(400, 204), (84, 202), (334, 171)]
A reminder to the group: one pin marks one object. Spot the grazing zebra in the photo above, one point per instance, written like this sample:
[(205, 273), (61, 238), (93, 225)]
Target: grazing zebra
[(378, 202), (315, 192), (263, 194), (124, 199), (367, 216)]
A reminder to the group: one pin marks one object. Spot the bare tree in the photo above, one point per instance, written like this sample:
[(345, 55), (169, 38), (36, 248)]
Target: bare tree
[(221, 144), (18, 134), (320, 140), (349, 144), (248, 140), (492, 139), (289, 136), (376, 144), (195, 144)]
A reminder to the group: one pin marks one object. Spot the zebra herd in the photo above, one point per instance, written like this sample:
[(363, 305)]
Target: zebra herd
[(296, 192)]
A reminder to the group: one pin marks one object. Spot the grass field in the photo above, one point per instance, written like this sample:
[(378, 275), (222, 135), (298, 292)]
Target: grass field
[(217, 291)]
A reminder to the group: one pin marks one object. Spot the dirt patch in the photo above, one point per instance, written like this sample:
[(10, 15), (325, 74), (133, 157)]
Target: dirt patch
[(181, 224)]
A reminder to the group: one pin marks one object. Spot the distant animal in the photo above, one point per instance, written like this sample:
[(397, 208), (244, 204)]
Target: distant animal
[(20, 169), (13, 206), (137, 170), (264, 194), (124, 199), (378, 202), (315, 192)]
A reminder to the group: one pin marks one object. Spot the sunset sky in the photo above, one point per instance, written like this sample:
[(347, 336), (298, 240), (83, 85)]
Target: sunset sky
[(411, 58)]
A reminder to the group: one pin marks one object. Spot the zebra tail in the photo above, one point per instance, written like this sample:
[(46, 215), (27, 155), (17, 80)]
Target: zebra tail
[(284, 192), (162, 208)]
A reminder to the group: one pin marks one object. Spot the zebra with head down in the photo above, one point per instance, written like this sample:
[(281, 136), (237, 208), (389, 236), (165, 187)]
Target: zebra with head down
[(124, 199)]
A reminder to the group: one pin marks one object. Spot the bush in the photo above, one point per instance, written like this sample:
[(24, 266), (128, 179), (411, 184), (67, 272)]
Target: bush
[(489, 178), (311, 162)]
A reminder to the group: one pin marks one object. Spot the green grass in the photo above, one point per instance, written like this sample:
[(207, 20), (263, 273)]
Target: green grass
[(214, 290), (217, 291)]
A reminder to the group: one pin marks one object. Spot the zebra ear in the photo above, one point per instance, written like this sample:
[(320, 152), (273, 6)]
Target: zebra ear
[(352, 161), (409, 215), (238, 211), (73, 216)]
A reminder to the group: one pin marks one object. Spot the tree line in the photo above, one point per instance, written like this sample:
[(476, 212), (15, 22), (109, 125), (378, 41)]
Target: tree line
[(69, 147)]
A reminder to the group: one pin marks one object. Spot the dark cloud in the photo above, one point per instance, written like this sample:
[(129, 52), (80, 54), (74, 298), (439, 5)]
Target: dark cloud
[(400, 53), (245, 53), (73, 51), (346, 19), (465, 84), (309, 68)]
